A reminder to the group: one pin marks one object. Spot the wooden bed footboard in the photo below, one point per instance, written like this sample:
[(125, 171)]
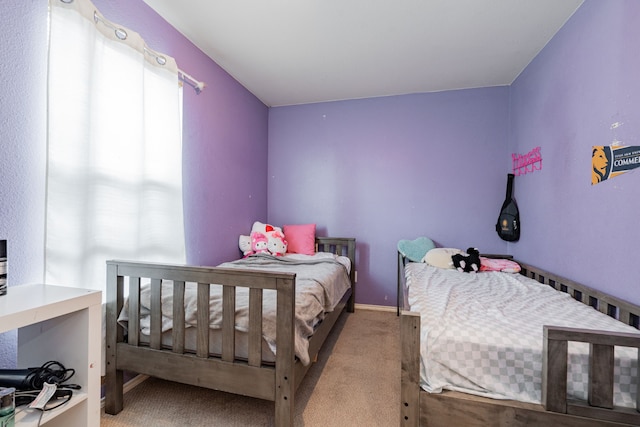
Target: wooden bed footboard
[(249, 376), (223, 373), (420, 408)]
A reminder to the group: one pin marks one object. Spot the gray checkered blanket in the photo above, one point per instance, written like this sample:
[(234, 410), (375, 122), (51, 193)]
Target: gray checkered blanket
[(482, 333)]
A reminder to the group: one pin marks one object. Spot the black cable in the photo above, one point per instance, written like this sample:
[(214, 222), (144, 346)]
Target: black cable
[(29, 383), (51, 372)]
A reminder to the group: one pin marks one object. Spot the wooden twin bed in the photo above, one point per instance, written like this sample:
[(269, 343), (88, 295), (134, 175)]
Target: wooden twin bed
[(248, 375), (557, 408)]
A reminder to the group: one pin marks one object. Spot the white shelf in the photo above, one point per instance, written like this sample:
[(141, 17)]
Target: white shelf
[(28, 304), (62, 324), (29, 417)]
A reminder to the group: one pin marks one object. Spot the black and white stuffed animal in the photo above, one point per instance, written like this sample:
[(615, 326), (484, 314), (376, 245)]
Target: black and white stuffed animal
[(467, 262)]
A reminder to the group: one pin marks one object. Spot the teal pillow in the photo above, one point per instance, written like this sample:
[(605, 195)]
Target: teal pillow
[(415, 250)]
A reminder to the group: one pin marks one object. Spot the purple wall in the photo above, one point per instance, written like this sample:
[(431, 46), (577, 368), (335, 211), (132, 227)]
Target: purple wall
[(385, 169), (225, 142), (23, 68), (586, 79)]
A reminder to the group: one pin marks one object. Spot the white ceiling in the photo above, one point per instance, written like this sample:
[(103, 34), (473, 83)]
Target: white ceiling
[(303, 51)]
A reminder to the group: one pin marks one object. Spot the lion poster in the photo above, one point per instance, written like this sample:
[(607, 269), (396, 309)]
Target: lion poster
[(611, 161)]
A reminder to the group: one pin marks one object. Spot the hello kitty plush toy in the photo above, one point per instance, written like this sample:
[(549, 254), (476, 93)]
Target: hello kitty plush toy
[(244, 242), (259, 243), (277, 244)]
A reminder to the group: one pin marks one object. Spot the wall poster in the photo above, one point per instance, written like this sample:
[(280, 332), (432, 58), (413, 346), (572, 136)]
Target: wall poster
[(609, 161)]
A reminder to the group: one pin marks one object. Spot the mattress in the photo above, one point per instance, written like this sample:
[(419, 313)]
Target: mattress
[(482, 333), (321, 282)]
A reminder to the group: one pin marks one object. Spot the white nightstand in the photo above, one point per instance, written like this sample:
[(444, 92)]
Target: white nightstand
[(62, 324)]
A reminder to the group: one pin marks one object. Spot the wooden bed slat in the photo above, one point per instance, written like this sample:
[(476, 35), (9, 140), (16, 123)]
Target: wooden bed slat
[(228, 323), (601, 375), (624, 316), (155, 339), (177, 333), (255, 327), (202, 319), (602, 307), (554, 374), (134, 311)]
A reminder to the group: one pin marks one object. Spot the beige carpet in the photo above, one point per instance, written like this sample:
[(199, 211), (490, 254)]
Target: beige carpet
[(356, 382)]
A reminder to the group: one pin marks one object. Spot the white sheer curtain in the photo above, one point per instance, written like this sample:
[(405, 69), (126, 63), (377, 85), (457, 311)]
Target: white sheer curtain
[(114, 179)]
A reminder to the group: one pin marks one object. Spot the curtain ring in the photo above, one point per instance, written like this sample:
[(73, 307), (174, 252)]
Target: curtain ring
[(120, 33)]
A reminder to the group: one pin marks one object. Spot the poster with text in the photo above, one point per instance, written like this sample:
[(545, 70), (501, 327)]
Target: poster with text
[(610, 161)]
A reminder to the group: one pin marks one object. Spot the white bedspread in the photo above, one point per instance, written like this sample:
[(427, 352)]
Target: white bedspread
[(321, 281), (483, 334)]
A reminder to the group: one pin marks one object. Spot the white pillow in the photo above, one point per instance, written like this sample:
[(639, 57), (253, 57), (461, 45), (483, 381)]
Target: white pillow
[(441, 257)]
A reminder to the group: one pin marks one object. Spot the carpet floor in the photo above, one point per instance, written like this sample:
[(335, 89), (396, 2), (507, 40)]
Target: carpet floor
[(355, 382)]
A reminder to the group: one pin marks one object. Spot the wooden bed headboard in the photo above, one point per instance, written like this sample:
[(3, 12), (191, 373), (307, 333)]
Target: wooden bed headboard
[(343, 246)]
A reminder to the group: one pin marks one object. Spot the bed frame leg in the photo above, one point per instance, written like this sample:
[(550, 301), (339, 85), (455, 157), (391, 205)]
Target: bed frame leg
[(284, 408), (113, 403), (113, 395), (410, 369), (285, 356)]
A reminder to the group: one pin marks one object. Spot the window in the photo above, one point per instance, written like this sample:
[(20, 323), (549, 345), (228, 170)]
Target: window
[(114, 178)]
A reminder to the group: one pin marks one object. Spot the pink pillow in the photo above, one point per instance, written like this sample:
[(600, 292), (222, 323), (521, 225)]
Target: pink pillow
[(301, 238), (498, 264)]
